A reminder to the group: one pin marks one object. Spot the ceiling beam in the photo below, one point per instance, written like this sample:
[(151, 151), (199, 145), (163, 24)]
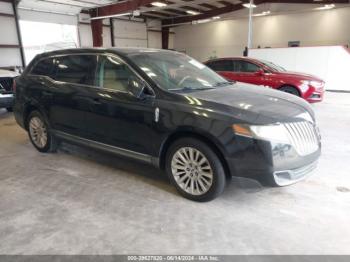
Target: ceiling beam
[(119, 8), (309, 2)]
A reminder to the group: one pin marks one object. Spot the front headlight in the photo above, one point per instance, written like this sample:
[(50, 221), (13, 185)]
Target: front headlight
[(276, 133), (306, 83)]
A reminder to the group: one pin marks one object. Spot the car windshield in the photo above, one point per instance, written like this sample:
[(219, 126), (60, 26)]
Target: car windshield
[(273, 66), (176, 72)]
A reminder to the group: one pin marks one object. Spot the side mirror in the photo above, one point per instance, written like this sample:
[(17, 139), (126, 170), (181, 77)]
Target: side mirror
[(136, 86), (139, 88), (260, 72)]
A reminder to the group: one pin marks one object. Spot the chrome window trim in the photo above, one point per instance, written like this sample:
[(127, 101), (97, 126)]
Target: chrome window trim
[(98, 55)]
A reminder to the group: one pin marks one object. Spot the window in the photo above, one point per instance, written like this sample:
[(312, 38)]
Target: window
[(77, 69), (176, 72), (246, 67), (221, 65), (114, 74), (43, 68)]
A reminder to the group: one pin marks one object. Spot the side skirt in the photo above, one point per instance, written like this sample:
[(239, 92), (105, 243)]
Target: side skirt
[(107, 148)]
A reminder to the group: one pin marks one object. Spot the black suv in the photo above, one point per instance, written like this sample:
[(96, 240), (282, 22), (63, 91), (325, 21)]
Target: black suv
[(167, 109)]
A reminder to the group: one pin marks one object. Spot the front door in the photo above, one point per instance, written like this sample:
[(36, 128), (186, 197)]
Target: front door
[(248, 72), (117, 116)]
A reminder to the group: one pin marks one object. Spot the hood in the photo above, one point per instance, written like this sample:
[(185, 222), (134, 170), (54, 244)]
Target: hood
[(8, 73), (301, 76), (255, 104)]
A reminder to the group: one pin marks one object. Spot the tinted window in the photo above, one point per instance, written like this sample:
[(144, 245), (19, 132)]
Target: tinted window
[(221, 65), (43, 68), (114, 74), (244, 66), (77, 69)]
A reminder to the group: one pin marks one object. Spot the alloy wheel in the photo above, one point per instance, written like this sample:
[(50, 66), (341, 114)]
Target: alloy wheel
[(192, 171), (38, 132)]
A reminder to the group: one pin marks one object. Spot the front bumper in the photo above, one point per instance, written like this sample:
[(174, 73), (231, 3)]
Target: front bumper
[(315, 94), (268, 161), (288, 177), (6, 100)]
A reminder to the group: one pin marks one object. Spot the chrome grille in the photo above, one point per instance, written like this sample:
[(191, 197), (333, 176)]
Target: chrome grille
[(303, 136)]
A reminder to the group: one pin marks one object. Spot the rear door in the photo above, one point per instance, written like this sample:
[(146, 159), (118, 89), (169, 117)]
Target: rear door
[(63, 82)]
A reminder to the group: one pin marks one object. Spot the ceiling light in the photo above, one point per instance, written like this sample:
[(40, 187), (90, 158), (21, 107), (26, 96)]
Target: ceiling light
[(326, 7), (158, 4), (192, 12), (249, 5), (263, 13), (201, 21), (216, 17)]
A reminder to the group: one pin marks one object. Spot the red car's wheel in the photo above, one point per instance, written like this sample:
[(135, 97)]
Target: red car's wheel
[(290, 90)]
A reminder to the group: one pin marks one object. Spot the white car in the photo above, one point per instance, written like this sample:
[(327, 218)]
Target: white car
[(6, 89)]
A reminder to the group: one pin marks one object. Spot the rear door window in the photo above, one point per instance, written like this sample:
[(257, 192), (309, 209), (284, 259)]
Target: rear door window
[(44, 68), (76, 69), (221, 65), (245, 67)]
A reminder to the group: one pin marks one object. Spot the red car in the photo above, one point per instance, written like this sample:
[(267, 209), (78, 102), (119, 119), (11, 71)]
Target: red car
[(260, 72)]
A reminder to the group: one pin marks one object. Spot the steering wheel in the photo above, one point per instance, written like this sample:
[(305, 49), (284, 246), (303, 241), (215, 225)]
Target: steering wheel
[(183, 80)]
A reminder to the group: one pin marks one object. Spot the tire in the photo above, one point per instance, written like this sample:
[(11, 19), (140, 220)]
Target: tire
[(39, 133), (9, 109), (290, 90), (205, 170), (268, 181)]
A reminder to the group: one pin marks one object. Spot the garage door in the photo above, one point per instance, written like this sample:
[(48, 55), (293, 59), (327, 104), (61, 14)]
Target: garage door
[(130, 33)]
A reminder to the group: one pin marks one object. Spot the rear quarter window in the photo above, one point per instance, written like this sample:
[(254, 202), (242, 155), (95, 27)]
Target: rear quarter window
[(77, 69), (43, 68)]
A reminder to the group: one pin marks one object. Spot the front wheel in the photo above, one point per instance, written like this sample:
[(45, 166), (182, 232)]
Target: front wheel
[(195, 170), (39, 133), (290, 90)]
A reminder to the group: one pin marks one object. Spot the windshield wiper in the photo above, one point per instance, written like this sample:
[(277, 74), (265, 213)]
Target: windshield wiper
[(226, 83), (187, 88)]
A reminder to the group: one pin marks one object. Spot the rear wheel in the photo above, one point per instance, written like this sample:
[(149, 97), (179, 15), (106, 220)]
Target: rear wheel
[(39, 133), (195, 170), (9, 109), (290, 90)]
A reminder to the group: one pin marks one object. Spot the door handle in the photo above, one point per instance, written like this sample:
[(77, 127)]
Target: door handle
[(46, 93), (96, 101)]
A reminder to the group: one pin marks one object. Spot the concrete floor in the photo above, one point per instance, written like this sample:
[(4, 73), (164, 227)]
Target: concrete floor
[(82, 202)]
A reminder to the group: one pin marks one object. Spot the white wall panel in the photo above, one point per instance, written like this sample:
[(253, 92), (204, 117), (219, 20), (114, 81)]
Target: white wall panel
[(10, 57), (154, 39), (47, 17), (171, 41), (6, 8), (85, 35), (122, 42), (331, 63), (107, 42), (49, 6), (8, 31), (229, 37)]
